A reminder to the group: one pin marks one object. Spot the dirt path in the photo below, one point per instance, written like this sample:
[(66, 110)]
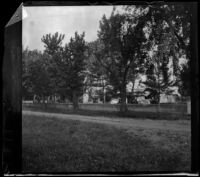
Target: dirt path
[(171, 125)]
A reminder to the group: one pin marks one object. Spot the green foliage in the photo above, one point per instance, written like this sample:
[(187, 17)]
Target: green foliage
[(72, 67), (123, 39), (52, 43), (169, 38), (58, 70), (185, 85), (93, 66), (158, 77), (28, 58), (53, 54), (119, 55), (39, 78), (95, 74), (169, 24)]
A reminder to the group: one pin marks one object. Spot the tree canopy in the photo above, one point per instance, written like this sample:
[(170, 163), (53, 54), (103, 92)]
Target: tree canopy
[(139, 40), (72, 67), (123, 39)]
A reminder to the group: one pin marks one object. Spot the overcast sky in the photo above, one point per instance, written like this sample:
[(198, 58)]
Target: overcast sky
[(39, 21)]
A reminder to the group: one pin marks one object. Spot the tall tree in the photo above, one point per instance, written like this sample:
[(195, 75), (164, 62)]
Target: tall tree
[(157, 64), (158, 79), (53, 51), (26, 86), (53, 43), (72, 67), (95, 75), (28, 56), (123, 39), (175, 18), (39, 78)]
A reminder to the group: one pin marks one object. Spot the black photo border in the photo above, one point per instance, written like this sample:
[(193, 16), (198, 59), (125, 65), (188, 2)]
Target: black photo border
[(11, 8)]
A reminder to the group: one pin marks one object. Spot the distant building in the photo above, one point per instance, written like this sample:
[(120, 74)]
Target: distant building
[(168, 98), (135, 93)]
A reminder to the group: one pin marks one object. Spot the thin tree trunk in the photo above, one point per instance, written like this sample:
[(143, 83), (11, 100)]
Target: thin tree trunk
[(34, 98), (159, 92), (48, 99), (53, 98), (123, 106), (104, 98), (133, 89), (75, 101), (43, 101)]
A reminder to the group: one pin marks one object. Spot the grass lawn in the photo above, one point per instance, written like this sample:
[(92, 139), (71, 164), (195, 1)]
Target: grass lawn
[(57, 145)]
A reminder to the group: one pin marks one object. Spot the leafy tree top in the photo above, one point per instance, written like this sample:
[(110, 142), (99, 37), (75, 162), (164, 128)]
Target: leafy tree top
[(52, 42)]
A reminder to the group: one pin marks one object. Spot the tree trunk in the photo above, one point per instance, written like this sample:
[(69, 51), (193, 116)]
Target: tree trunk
[(43, 101), (158, 103), (123, 106), (34, 98), (132, 90), (54, 98), (104, 95), (48, 99), (75, 101)]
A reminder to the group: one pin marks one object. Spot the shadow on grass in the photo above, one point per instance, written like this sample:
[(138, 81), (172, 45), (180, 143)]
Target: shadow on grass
[(113, 114)]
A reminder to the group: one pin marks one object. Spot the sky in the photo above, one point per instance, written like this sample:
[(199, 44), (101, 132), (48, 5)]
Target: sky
[(38, 21)]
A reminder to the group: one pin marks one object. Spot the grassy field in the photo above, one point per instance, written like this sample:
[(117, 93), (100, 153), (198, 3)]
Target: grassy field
[(55, 145)]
